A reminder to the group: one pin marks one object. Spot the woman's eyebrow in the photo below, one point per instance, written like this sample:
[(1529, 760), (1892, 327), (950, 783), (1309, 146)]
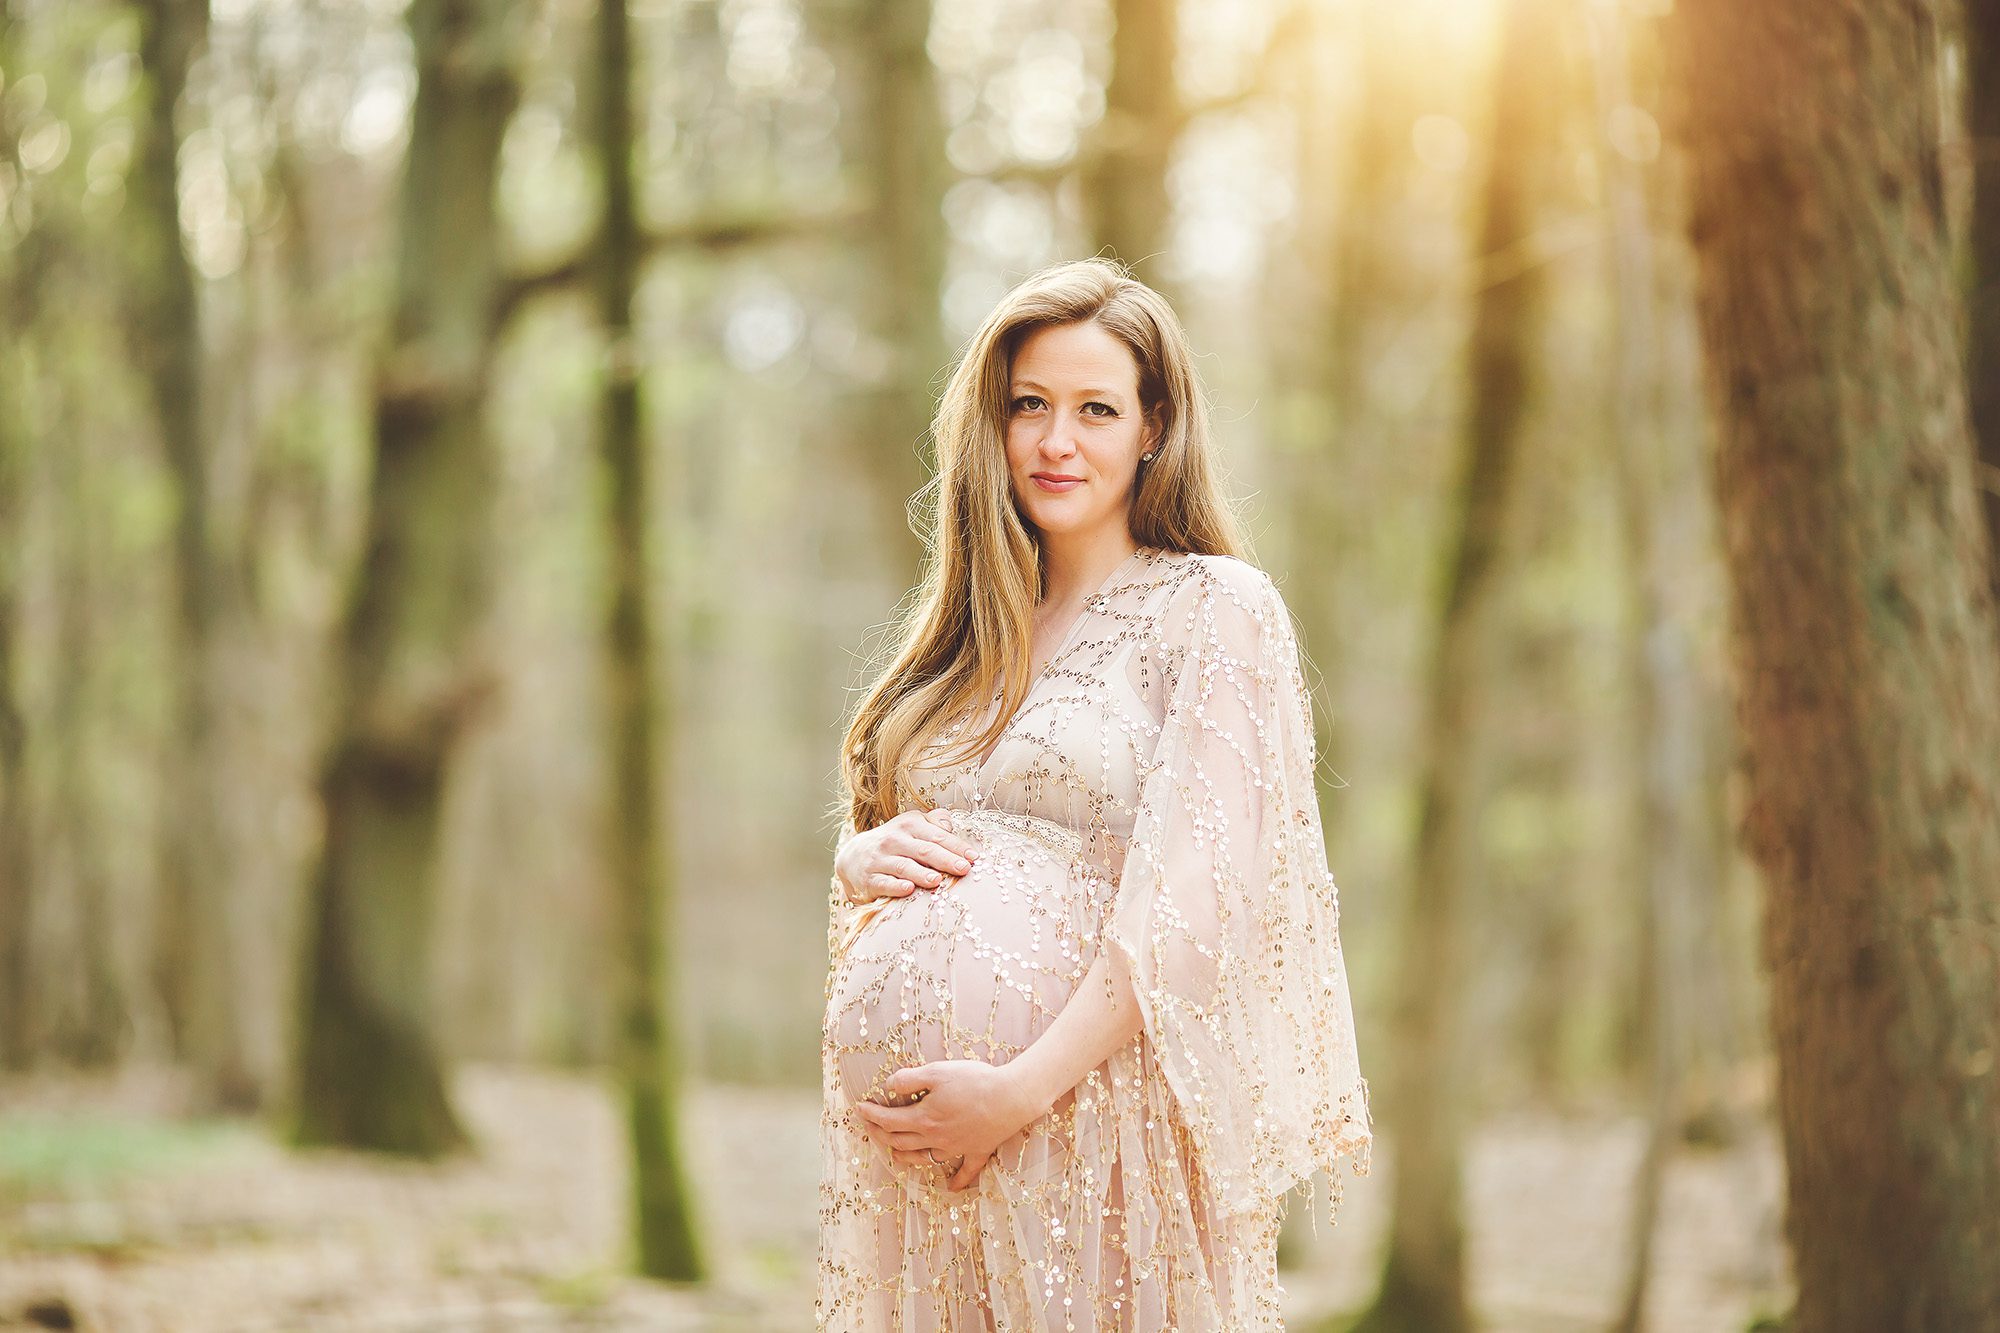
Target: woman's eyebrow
[(1038, 388)]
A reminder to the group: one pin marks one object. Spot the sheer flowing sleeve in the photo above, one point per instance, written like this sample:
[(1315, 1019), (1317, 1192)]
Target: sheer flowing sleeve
[(843, 918), (1225, 910)]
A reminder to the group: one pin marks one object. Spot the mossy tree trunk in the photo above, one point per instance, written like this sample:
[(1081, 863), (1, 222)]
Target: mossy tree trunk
[(1863, 637), (16, 882), (411, 673), (1423, 1282), (197, 966), (649, 1062), (84, 1009), (21, 296)]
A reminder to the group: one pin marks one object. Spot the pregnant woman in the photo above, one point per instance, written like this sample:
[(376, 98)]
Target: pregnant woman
[(1087, 1018)]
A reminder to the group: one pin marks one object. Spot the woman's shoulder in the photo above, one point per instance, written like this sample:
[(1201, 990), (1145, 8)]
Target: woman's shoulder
[(1217, 594), (1202, 576)]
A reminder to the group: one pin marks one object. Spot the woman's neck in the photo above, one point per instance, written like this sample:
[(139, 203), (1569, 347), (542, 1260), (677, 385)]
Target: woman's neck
[(1076, 566)]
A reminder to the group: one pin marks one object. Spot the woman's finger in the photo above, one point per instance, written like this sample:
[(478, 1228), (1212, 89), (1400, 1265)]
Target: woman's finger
[(876, 885), (967, 1174), (889, 886), (941, 856), (924, 842), (940, 833), (911, 869), (898, 1144)]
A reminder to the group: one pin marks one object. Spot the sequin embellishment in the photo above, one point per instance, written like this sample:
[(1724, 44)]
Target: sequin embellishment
[(1154, 794)]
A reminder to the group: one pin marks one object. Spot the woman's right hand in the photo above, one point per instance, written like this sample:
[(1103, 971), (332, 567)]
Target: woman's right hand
[(916, 849)]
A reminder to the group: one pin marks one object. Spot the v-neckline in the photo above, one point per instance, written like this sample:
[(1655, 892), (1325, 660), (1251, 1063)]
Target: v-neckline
[(1069, 636)]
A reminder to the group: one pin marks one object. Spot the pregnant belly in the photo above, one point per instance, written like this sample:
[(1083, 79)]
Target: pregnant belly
[(974, 970)]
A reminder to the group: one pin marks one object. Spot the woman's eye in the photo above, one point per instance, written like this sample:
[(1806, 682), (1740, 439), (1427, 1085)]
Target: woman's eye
[(1027, 401)]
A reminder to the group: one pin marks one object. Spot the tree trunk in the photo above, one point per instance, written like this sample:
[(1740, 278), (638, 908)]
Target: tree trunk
[(1330, 291), (412, 675), (87, 1009), (1125, 186), (197, 966), (1423, 1281), (902, 156), (17, 882), (16, 916), (648, 1055), (1676, 853), (1864, 641), (1345, 283), (1982, 263)]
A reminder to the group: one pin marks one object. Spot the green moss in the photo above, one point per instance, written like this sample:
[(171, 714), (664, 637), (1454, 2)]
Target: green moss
[(40, 1152), (584, 1289)]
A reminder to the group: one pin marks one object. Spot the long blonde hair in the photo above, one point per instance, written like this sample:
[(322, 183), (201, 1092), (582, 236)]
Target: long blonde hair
[(971, 622)]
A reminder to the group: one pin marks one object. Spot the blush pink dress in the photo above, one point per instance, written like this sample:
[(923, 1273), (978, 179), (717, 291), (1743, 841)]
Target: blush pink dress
[(1153, 794)]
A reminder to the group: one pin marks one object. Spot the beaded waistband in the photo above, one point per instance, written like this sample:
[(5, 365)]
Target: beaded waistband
[(1058, 838)]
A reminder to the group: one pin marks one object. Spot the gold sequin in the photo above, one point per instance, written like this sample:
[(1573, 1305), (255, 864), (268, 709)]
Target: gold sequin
[(1153, 794)]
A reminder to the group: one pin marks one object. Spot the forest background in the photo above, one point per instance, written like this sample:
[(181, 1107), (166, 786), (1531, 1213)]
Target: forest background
[(459, 463)]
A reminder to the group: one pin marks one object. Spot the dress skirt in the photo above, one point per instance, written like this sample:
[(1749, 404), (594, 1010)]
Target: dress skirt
[(1091, 1218)]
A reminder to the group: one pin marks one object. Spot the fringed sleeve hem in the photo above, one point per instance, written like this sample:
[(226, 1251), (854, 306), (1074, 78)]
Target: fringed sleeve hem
[(1225, 911)]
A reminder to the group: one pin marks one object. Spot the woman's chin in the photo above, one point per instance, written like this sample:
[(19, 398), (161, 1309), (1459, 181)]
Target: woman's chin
[(1059, 519)]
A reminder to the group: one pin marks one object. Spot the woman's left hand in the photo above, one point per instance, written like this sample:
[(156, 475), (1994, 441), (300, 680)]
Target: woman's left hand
[(968, 1108)]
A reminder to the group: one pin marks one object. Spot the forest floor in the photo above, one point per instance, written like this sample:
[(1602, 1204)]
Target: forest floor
[(118, 1215)]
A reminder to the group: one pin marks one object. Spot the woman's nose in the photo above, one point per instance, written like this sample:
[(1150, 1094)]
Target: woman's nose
[(1058, 443)]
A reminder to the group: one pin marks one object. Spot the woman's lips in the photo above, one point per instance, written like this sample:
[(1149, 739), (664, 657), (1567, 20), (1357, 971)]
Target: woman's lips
[(1050, 484)]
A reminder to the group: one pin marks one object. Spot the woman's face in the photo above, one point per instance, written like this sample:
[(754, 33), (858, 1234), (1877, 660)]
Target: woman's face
[(1073, 412)]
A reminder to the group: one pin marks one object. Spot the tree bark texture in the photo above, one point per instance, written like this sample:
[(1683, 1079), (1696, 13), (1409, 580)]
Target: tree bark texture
[(1982, 261), (411, 675), (197, 961), (1863, 637), (647, 1053)]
